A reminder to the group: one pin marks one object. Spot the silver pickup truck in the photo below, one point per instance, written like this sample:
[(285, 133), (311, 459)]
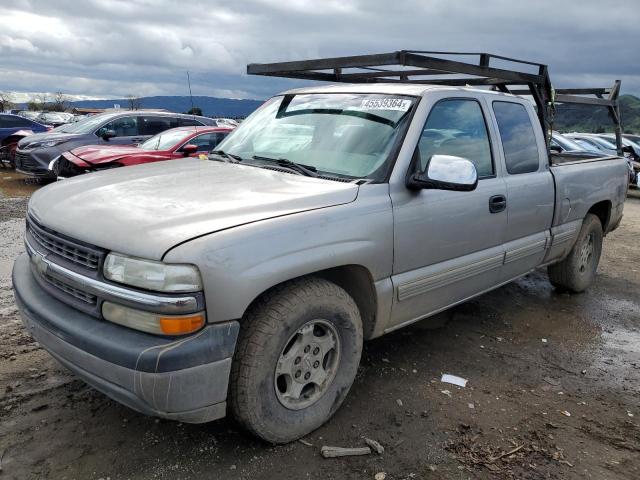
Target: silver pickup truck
[(332, 215)]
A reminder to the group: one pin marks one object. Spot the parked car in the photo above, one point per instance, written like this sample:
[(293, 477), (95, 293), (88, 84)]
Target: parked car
[(632, 137), (226, 122), (29, 114), (169, 145), (607, 145), (249, 281), (565, 144), (633, 147), (602, 144), (35, 154), (10, 124), (55, 119), (14, 128)]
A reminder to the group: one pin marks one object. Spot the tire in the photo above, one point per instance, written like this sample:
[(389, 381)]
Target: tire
[(274, 334), (576, 272)]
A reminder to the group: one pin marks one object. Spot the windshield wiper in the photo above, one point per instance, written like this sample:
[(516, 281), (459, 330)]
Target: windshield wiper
[(306, 170), (227, 157)]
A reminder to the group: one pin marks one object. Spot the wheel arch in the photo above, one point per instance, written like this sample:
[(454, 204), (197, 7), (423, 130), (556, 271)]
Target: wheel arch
[(356, 280), (602, 210)]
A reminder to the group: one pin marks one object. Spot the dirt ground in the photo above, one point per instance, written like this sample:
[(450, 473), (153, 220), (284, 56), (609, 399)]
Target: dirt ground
[(553, 392)]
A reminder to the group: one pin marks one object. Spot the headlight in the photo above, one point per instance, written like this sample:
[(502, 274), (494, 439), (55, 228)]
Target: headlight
[(52, 143), (48, 143), (153, 322), (150, 275)]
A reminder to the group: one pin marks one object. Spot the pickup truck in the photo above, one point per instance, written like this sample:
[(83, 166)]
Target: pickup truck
[(333, 214)]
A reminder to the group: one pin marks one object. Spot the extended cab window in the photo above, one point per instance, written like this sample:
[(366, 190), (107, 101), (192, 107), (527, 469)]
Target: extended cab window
[(457, 127), (518, 137)]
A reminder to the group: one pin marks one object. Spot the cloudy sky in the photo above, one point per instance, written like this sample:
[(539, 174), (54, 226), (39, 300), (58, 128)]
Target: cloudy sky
[(111, 48)]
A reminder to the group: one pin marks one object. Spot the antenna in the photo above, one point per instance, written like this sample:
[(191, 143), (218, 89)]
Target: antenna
[(193, 113)]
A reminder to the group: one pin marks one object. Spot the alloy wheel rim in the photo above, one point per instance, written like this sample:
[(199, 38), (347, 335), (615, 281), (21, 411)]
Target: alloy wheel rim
[(307, 365), (586, 253)]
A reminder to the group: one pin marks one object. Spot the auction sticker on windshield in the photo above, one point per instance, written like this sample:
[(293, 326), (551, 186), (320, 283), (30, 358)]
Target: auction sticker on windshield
[(399, 104)]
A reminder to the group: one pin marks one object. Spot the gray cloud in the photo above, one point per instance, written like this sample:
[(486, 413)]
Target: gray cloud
[(116, 47)]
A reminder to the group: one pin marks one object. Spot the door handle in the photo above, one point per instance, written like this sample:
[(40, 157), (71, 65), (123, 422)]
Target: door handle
[(497, 203)]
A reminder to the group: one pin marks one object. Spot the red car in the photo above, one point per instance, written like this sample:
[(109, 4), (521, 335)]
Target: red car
[(169, 145)]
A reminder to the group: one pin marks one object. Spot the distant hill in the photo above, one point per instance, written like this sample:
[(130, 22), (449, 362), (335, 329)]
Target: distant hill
[(211, 106), (584, 118)]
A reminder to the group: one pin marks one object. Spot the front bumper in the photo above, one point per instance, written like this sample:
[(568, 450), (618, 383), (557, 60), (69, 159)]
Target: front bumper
[(181, 379), (35, 163)]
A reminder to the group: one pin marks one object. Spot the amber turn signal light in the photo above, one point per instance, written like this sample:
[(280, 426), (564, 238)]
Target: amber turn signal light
[(181, 325)]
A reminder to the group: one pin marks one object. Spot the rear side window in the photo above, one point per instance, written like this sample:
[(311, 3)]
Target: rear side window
[(153, 125), (188, 122), (518, 137), (457, 127)]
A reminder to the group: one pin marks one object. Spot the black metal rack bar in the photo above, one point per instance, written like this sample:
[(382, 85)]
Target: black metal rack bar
[(425, 67)]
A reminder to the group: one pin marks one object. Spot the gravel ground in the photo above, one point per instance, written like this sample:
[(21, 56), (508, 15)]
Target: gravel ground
[(553, 392)]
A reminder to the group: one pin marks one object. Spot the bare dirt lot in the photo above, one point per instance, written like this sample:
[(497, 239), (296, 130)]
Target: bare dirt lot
[(553, 392)]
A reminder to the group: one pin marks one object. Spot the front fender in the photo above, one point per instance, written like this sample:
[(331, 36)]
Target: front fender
[(240, 263)]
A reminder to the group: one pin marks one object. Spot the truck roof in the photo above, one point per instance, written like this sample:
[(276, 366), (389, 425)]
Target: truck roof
[(389, 88)]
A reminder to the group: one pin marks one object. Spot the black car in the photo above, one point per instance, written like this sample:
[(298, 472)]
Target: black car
[(37, 152)]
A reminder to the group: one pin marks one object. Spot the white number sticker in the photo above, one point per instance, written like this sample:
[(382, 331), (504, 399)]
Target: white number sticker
[(398, 104)]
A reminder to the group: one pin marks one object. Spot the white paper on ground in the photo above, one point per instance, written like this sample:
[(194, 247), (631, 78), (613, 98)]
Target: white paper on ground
[(461, 382)]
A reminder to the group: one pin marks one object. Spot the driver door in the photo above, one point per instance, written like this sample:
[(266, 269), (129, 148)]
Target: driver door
[(448, 244)]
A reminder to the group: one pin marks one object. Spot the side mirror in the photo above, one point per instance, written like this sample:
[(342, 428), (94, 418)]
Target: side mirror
[(446, 172), (107, 134), (555, 148), (189, 149)]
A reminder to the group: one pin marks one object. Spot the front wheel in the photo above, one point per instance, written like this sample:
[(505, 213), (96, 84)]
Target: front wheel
[(297, 356), (576, 272)]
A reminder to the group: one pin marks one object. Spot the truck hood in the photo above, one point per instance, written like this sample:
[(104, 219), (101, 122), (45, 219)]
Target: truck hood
[(145, 210), (97, 154)]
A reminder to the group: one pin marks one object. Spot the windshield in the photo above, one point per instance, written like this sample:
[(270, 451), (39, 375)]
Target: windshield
[(86, 125), (347, 135), (164, 140)]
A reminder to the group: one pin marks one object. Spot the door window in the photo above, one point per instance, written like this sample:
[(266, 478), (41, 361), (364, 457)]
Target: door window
[(457, 127), (123, 126), (207, 141), (518, 137)]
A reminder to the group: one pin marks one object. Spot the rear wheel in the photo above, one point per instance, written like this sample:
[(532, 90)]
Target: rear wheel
[(297, 356), (576, 272)]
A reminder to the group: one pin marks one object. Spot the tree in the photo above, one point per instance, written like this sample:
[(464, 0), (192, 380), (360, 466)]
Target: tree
[(195, 111), (135, 102), (6, 101), (59, 103), (38, 102)]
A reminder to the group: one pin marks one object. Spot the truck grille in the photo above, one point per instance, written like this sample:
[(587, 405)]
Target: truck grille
[(69, 290), (82, 255)]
